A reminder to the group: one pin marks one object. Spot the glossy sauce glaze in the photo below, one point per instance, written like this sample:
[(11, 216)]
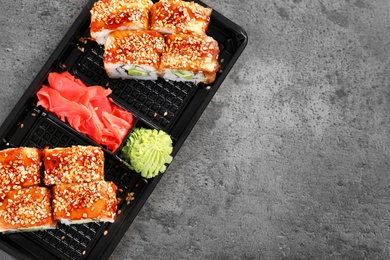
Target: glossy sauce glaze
[(110, 14), (85, 201), (190, 52), (26, 208), (19, 167), (73, 165), (179, 17), (134, 47)]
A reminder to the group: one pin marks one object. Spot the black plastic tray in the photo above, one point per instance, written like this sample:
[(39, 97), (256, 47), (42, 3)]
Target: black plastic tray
[(171, 106)]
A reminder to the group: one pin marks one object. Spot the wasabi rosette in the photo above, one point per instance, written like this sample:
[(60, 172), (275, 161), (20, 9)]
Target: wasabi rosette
[(148, 151)]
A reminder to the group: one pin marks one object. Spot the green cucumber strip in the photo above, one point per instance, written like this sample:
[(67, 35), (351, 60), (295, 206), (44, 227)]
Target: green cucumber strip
[(134, 70), (29, 229), (184, 74)]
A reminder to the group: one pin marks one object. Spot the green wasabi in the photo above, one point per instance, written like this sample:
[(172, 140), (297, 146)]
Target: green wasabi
[(147, 151)]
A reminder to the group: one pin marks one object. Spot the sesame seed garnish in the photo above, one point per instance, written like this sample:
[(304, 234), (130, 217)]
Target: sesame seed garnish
[(179, 17), (73, 164), (190, 52), (26, 207), (88, 196), (119, 14), (134, 47), (19, 167), (130, 197)]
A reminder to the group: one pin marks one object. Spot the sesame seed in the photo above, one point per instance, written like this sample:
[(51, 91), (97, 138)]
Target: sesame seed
[(116, 13), (197, 53), (134, 47), (72, 164), (26, 206), (83, 196), (179, 17)]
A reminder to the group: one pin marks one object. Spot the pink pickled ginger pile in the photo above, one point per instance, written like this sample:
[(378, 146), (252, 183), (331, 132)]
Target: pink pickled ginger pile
[(86, 109)]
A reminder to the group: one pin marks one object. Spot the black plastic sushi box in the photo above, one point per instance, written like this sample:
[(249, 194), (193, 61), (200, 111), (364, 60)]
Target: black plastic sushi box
[(170, 106)]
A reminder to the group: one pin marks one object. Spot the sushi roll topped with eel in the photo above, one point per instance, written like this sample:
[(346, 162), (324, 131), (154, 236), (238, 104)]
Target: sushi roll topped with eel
[(190, 57), (85, 202), (26, 209), (113, 15), (72, 164), (133, 54), (177, 16), (19, 168)]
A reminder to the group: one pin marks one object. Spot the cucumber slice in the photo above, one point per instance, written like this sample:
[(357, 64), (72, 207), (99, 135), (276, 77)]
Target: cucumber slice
[(134, 70), (184, 74), (30, 229)]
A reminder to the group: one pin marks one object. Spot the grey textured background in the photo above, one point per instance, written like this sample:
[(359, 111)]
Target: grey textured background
[(291, 158)]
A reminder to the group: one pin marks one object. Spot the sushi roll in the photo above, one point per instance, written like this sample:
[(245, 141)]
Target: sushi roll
[(85, 202), (190, 57), (177, 16), (73, 165), (26, 209), (133, 54), (19, 167), (112, 15)]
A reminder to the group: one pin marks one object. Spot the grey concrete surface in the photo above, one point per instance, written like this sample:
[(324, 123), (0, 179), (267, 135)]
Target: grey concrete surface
[(291, 158)]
